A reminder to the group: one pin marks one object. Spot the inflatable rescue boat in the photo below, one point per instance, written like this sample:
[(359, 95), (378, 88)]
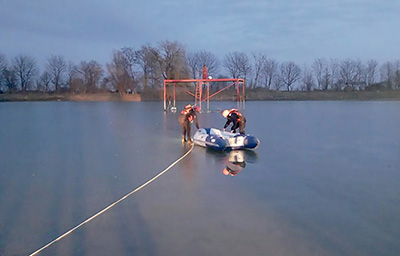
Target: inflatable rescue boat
[(220, 140)]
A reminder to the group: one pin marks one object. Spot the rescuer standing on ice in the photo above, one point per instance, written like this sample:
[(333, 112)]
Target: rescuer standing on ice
[(187, 116)]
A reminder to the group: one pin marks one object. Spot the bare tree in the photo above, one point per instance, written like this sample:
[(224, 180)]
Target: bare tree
[(231, 63), (133, 64), (325, 73), (370, 72), (386, 73), (168, 61), (10, 78), (119, 70), (396, 75), (3, 61), (259, 66), (194, 64), (307, 79), (25, 69), (90, 73), (144, 58), (237, 64), (278, 82), (290, 73), (130, 60), (56, 67), (3, 66), (331, 74), (246, 69), (197, 60), (318, 67), (390, 74), (44, 81), (359, 82), (349, 72), (172, 59), (157, 64), (71, 75), (270, 72)]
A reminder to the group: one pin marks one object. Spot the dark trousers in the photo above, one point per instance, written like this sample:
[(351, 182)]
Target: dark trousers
[(241, 125), (186, 127)]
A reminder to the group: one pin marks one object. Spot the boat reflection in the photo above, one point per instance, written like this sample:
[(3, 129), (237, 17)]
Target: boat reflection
[(235, 163), (235, 160)]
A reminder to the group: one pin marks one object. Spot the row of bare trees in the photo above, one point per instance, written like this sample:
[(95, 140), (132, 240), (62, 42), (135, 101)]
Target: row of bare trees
[(22, 74), (138, 69), (133, 70), (322, 75)]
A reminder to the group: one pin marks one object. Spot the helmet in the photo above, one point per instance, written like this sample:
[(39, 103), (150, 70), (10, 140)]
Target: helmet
[(225, 171), (225, 113), (188, 106), (228, 171)]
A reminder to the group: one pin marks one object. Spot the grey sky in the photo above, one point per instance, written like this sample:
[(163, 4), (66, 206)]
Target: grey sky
[(296, 30)]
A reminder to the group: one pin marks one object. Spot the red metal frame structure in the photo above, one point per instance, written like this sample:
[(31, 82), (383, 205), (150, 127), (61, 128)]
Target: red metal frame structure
[(198, 99)]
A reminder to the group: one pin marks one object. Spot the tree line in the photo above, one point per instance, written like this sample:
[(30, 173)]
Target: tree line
[(133, 70)]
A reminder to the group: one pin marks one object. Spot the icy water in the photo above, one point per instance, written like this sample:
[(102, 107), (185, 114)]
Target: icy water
[(324, 181)]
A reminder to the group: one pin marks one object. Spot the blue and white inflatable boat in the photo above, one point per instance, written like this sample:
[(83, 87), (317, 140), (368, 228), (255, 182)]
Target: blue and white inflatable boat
[(220, 140)]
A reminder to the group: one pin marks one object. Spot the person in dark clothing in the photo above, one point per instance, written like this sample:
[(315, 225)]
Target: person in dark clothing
[(236, 118), (187, 116)]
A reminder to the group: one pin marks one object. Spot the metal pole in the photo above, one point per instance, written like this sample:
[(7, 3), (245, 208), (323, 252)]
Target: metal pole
[(208, 96), (196, 91), (200, 92), (237, 92), (174, 96), (165, 97), (244, 97)]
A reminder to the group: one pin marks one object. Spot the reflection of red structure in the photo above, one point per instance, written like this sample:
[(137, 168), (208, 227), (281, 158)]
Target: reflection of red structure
[(205, 81)]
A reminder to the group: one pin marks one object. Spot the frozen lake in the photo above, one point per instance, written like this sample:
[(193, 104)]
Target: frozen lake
[(324, 181)]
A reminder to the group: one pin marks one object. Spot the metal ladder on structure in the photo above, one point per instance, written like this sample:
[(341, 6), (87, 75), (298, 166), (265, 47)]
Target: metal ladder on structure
[(198, 93)]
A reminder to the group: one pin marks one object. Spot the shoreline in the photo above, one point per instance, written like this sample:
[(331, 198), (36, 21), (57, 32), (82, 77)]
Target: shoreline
[(251, 95), (35, 96)]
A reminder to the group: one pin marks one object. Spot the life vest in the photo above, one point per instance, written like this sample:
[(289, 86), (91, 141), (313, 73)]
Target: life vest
[(187, 111), (236, 111)]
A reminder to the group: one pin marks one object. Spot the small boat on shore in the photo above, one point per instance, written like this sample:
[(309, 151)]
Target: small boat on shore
[(220, 140)]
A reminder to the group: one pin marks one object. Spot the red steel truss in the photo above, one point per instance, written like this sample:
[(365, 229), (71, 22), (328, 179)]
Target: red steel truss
[(198, 94)]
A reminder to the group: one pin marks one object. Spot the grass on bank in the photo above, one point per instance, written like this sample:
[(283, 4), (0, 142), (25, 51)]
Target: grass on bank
[(250, 94)]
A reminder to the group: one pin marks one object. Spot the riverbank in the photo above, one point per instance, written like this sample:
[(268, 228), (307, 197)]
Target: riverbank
[(35, 96), (251, 95), (323, 95)]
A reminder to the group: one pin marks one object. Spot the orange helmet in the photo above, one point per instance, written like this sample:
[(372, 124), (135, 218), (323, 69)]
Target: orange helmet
[(225, 113), (225, 171)]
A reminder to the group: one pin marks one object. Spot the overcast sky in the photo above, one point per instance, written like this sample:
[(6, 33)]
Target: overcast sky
[(287, 30)]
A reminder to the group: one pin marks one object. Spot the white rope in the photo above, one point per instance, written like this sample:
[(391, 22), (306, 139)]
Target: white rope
[(113, 204)]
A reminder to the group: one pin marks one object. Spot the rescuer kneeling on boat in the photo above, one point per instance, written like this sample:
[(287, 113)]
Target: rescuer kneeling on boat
[(188, 115), (236, 118)]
